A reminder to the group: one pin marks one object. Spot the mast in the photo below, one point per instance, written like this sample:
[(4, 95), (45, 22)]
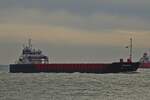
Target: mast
[(29, 43), (131, 46)]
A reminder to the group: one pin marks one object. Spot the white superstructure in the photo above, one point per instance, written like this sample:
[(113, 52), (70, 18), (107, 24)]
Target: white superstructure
[(32, 56)]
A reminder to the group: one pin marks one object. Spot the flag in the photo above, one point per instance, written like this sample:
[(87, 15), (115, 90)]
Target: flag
[(127, 46)]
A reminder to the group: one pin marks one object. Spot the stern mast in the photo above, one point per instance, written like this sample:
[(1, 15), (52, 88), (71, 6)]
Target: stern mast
[(131, 48)]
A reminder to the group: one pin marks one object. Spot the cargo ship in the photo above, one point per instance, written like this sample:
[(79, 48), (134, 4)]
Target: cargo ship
[(145, 61), (34, 61)]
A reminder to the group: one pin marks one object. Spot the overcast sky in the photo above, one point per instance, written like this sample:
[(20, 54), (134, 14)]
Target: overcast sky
[(97, 29)]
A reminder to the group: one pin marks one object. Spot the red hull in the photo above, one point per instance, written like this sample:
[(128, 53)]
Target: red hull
[(145, 65), (70, 68), (73, 67)]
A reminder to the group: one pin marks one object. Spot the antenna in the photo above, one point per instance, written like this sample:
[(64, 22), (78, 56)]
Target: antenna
[(130, 49), (29, 43), (131, 45)]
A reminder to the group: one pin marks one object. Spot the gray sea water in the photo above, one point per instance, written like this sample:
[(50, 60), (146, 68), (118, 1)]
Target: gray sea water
[(75, 86)]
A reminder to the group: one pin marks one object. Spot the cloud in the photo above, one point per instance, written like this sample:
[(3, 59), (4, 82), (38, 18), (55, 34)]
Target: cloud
[(93, 23), (63, 35), (82, 6), (61, 26), (99, 21), (127, 8)]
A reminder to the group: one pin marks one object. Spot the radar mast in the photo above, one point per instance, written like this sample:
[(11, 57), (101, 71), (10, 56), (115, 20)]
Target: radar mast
[(131, 45), (29, 43)]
